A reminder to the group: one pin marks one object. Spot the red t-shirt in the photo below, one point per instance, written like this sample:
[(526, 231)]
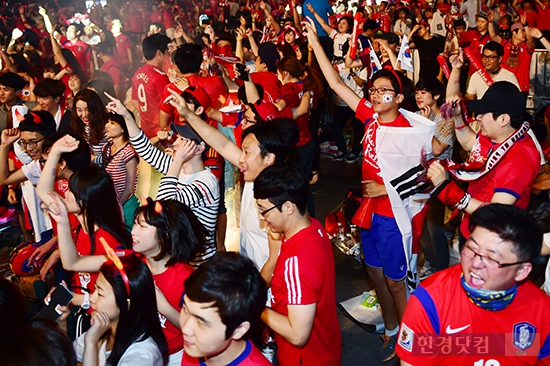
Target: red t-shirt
[(147, 85), (84, 247), (170, 283), (442, 326), (475, 41), (370, 168), (304, 274), (112, 68), (269, 81), (123, 44), (543, 22), (214, 86), (82, 52), (521, 66), (532, 17), (514, 174), (251, 356), (156, 17), (292, 93)]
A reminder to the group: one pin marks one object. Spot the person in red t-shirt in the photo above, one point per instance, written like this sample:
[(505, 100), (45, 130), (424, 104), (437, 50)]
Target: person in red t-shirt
[(517, 52), (385, 258), (81, 50), (484, 311), (225, 341), (476, 39), (91, 194), (112, 67), (123, 46), (303, 298), (149, 82), (168, 235)]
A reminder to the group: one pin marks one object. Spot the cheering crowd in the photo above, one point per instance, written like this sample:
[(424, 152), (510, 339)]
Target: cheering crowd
[(124, 126)]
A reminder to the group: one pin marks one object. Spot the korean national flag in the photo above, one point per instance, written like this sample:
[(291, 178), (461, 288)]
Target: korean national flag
[(405, 55)]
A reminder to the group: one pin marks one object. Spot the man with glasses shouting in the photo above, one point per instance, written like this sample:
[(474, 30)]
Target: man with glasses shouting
[(483, 312)]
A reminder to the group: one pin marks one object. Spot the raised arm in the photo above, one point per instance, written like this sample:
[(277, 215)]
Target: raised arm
[(9, 136), (331, 75), (319, 19), (492, 32), (217, 140)]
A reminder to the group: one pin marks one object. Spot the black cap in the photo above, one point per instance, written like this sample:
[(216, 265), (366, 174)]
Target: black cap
[(502, 97), (186, 131)]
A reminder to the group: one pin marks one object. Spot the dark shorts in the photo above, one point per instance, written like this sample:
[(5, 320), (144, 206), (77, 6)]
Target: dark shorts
[(383, 247)]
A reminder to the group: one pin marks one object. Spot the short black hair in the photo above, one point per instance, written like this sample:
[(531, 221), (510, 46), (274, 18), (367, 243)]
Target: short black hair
[(459, 23), (233, 283), (154, 43), (280, 183), (495, 47), (511, 224), (41, 122), (49, 88), (433, 86), (278, 137), (12, 80), (188, 58)]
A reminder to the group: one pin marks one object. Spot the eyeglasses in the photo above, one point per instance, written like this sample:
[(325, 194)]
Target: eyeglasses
[(470, 253), (118, 264), (265, 212), (380, 91), (489, 57), (31, 144)]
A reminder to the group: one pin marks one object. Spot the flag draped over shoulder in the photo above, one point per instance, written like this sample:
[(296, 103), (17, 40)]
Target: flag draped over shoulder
[(399, 152), (405, 56)]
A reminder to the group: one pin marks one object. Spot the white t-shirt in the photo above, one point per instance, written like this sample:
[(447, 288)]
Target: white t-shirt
[(478, 87), (253, 235), (348, 79), (339, 39), (144, 353)]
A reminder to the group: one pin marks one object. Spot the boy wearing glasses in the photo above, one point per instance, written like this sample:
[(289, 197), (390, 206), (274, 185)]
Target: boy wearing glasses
[(491, 58), (484, 311), (303, 298)]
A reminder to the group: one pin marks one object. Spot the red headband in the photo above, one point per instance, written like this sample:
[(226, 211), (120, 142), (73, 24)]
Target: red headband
[(397, 77)]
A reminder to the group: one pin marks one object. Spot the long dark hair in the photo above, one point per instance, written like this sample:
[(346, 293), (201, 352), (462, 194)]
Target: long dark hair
[(312, 79), (178, 230), (138, 318), (95, 194), (98, 117)]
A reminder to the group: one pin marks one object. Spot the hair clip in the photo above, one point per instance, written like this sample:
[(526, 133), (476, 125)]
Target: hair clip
[(118, 264), (158, 207)]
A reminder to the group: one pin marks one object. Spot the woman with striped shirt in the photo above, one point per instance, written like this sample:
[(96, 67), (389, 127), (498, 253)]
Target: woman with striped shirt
[(186, 178), (120, 160)]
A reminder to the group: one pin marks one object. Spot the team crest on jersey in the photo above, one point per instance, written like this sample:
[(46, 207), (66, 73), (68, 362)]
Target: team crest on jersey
[(524, 335), (406, 336), (79, 49)]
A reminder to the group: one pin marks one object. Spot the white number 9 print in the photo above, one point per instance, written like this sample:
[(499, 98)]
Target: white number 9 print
[(142, 98)]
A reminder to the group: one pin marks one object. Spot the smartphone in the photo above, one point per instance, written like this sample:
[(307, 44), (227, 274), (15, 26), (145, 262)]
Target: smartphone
[(60, 297)]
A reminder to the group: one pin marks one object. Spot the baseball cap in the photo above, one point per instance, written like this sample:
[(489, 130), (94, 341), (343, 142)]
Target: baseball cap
[(265, 110), (186, 131), (502, 97), (515, 26), (268, 54), (200, 95)]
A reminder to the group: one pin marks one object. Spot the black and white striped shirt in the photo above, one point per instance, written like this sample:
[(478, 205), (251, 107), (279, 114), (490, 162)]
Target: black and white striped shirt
[(199, 191)]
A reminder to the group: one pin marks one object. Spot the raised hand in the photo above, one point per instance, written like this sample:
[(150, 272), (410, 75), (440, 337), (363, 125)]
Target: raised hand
[(66, 144), (10, 135)]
